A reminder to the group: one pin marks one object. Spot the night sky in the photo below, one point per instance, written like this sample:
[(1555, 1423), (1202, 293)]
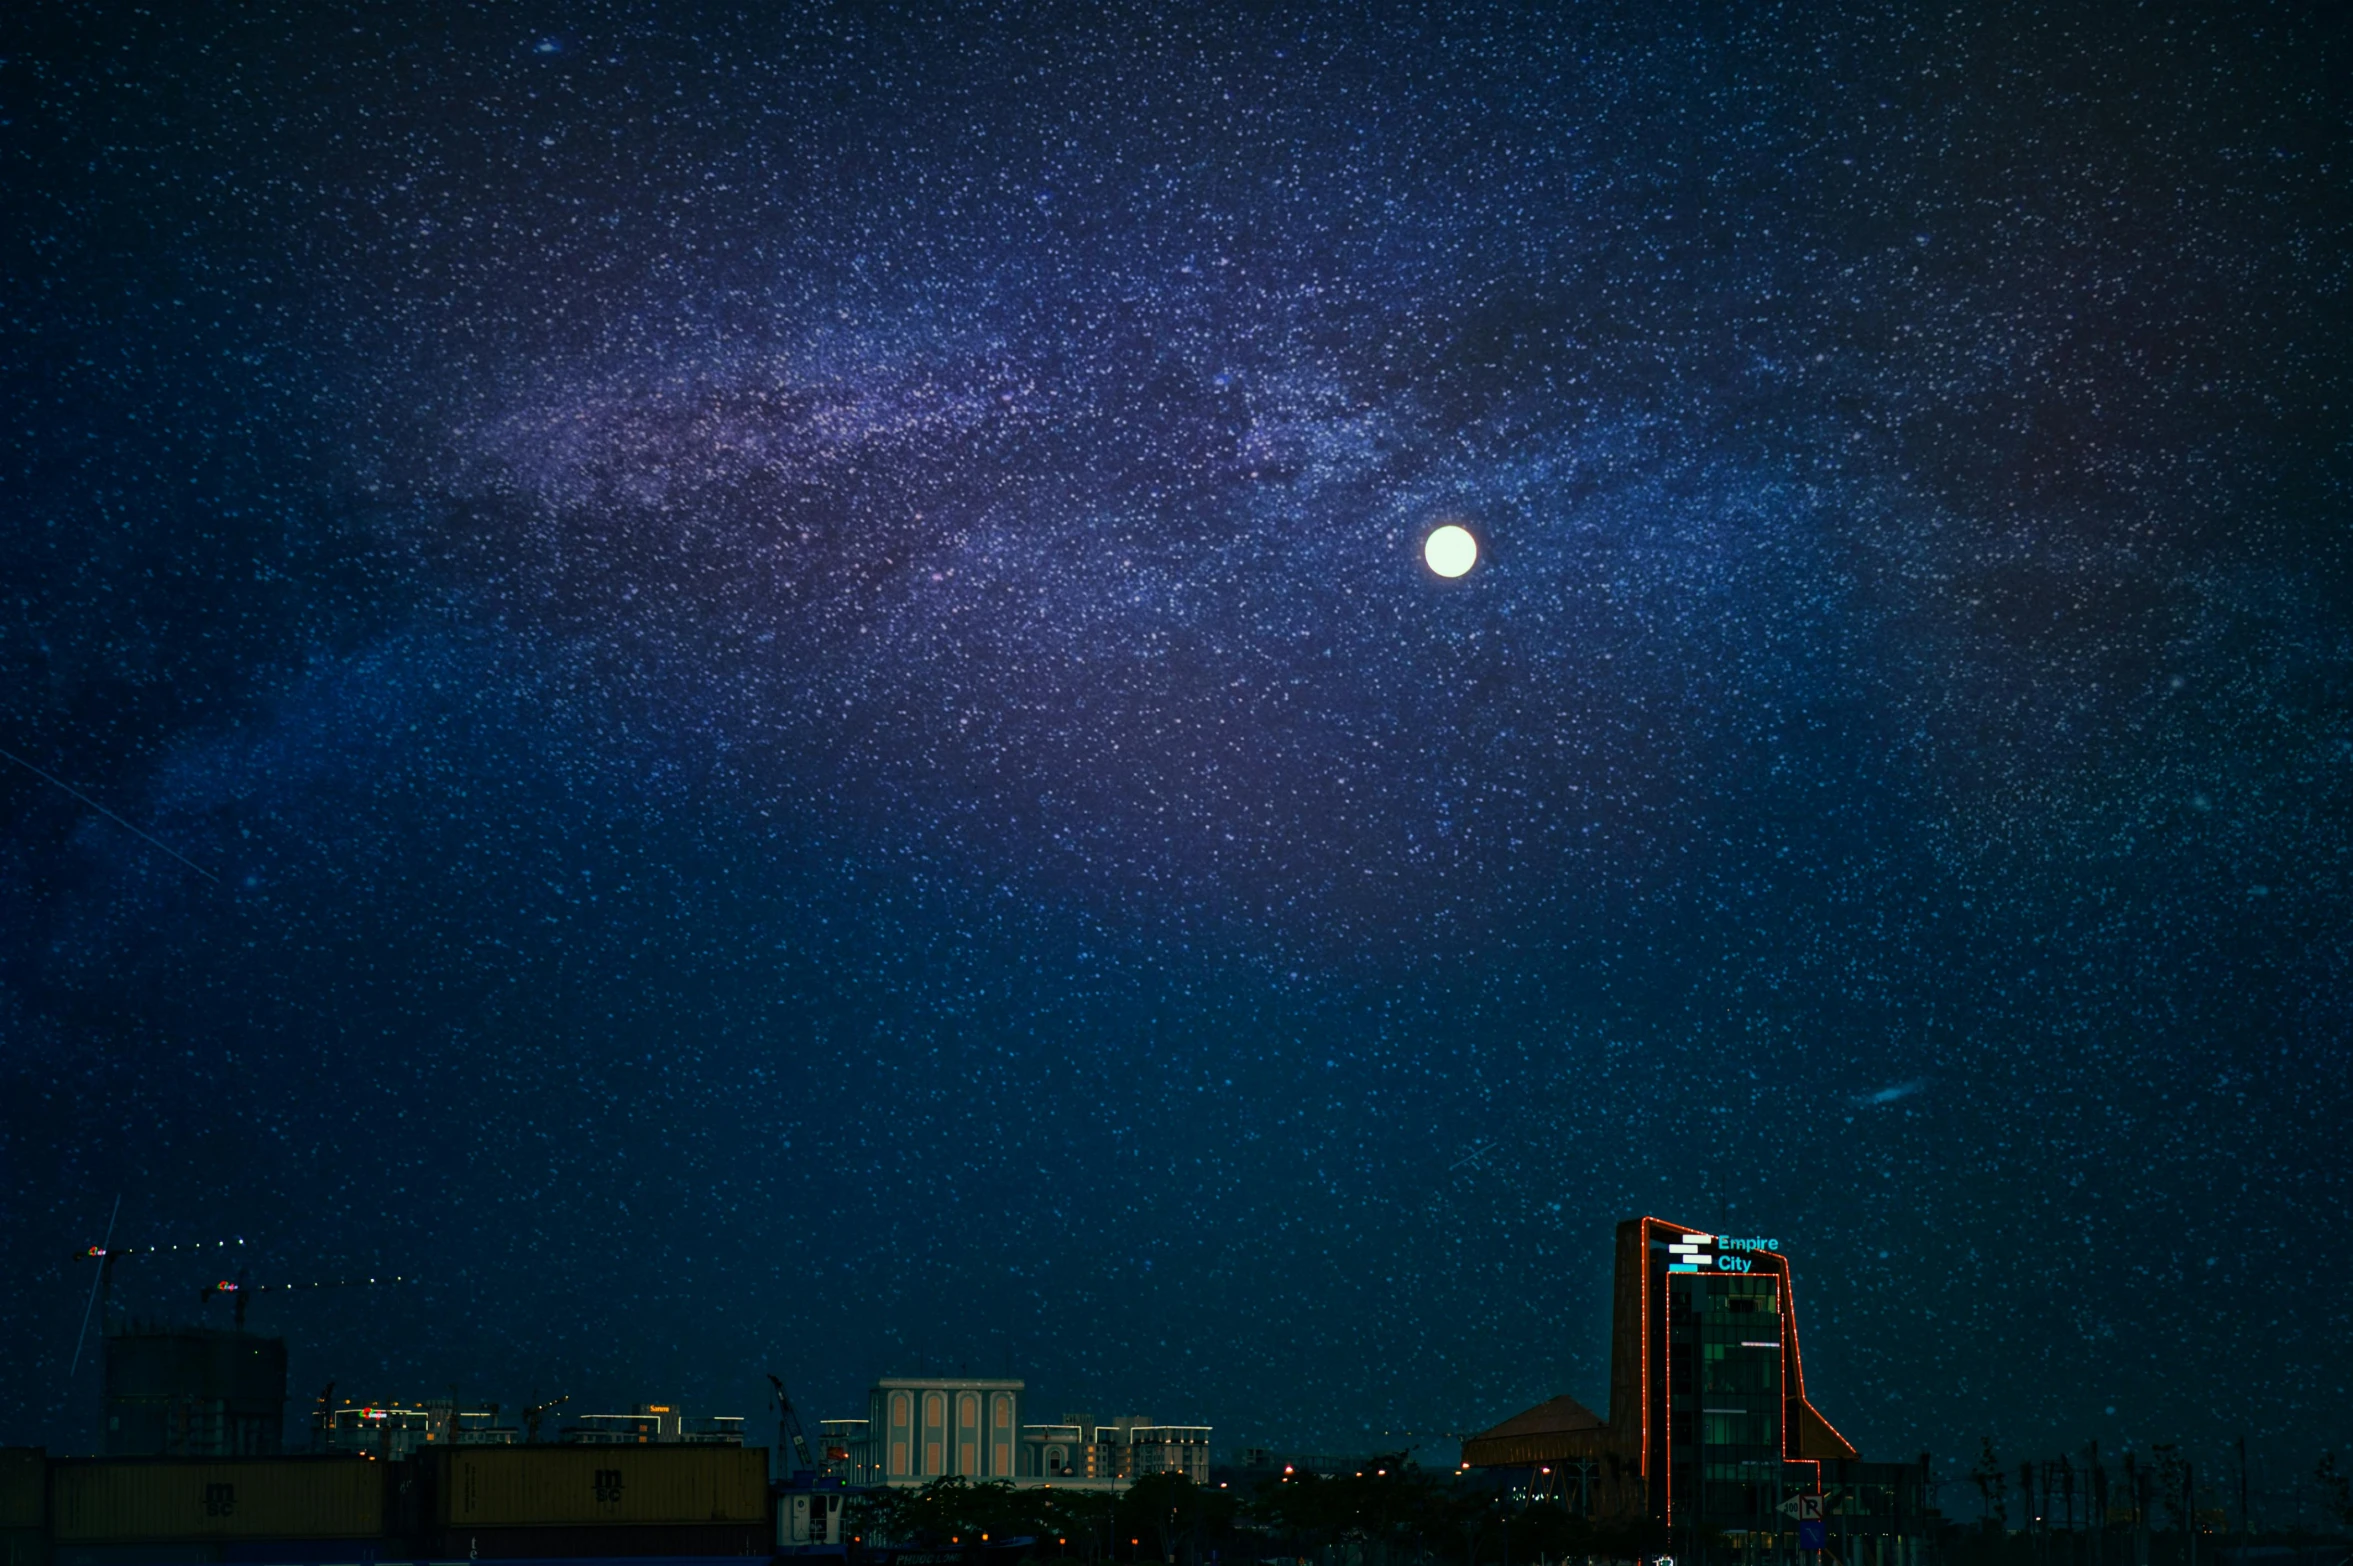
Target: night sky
[(789, 651)]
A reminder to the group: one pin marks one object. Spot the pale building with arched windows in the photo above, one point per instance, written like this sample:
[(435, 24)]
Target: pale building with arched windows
[(921, 1428)]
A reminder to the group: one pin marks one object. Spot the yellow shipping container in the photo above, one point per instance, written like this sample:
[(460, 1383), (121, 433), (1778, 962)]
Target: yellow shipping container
[(24, 1475), (145, 1500), (553, 1486)]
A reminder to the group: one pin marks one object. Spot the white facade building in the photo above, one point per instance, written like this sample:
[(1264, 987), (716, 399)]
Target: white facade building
[(922, 1428)]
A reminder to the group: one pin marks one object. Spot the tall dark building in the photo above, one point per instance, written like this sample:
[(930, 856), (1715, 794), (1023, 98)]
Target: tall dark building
[(1710, 1431), (1704, 1358), (194, 1392)]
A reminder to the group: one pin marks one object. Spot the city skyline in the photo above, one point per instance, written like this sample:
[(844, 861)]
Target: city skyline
[(1169, 701)]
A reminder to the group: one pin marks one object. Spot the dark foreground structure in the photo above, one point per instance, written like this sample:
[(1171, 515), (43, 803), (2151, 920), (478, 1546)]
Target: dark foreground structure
[(193, 1392), (456, 1503), (1710, 1432)]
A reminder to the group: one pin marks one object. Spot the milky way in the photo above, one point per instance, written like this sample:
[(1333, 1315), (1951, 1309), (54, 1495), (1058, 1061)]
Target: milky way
[(802, 650)]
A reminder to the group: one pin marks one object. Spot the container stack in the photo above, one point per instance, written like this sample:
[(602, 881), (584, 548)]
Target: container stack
[(24, 1506), (456, 1503), (517, 1501)]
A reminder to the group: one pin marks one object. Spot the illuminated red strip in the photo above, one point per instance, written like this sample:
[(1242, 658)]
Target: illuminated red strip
[(1642, 1339), (1797, 1363), (1666, 1366), (1793, 1374)]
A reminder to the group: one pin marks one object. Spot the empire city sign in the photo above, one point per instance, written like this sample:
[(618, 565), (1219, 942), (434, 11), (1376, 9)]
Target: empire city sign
[(1716, 1252)]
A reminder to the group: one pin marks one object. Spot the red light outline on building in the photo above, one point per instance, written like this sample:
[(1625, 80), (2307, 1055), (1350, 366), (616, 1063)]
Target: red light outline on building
[(1793, 1369)]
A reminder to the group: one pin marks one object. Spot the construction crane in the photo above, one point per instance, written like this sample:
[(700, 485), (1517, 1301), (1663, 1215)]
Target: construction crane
[(106, 1253), (241, 1291), (788, 1425), (322, 1419), (531, 1415)]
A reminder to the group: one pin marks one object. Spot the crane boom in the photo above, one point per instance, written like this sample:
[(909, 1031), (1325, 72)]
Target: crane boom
[(241, 1291), (106, 1254), (788, 1425)]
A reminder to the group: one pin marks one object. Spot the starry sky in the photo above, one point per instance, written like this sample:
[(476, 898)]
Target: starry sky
[(788, 651)]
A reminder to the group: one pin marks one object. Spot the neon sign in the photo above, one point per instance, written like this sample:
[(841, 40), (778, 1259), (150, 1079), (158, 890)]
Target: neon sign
[(1716, 1252)]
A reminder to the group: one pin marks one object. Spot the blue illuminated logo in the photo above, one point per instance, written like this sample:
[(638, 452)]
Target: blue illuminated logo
[(1721, 1252)]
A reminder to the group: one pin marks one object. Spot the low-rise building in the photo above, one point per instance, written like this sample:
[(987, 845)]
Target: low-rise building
[(922, 1428), (838, 1441), (654, 1424), (1132, 1447), (391, 1431), (1058, 1451)]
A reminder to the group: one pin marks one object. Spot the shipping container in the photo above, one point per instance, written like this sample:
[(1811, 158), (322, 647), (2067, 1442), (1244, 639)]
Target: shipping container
[(24, 1481), (310, 1552), (558, 1486), (642, 1542), (121, 1501), (237, 1552), (24, 1547), (195, 1552)]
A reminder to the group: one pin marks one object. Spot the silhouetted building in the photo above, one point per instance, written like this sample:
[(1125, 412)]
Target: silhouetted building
[(194, 1392), (1264, 1462), (1710, 1430)]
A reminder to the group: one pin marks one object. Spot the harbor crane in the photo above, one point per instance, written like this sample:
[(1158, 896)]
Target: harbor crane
[(788, 1425)]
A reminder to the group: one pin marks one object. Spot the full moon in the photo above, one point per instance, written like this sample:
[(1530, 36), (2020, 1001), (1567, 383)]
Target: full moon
[(1450, 550)]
